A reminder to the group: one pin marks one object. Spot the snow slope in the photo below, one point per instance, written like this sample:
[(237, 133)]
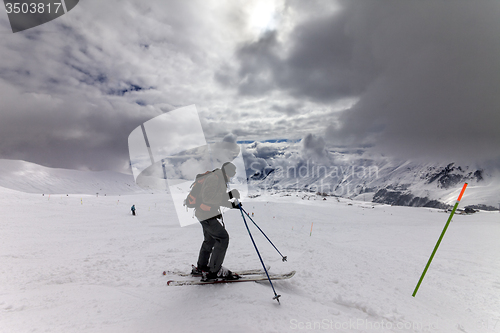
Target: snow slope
[(82, 263), (33, 178)]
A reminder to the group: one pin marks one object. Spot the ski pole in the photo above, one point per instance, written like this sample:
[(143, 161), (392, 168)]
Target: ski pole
[(283, 258), (276, 296), (439, 240)]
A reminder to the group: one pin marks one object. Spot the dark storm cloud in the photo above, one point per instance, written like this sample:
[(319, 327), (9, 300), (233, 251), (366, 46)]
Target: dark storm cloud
[(319, 63), (315, 60), (231, 138), (72, 90), (426, 73), (415, 78), (259, 62), (70, 133), (290, 109), (58, 106), (437, 96), (313, 146)]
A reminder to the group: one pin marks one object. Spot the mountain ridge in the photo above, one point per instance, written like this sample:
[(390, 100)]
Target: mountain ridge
[(362, 174), (358, 174), (33, 178)]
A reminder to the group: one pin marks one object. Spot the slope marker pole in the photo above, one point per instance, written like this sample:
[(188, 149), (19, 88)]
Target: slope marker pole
[(439, 240)]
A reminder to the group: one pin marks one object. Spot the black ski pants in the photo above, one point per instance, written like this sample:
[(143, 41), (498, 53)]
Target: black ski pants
[(215, 243)]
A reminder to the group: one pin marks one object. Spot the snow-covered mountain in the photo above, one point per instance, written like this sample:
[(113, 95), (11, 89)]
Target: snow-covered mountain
[(361, 174), (33, 178), (358, 174)]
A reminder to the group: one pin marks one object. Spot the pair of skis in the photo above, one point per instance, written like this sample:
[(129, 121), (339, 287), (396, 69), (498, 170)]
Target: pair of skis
[(248, 276), (251, 275)]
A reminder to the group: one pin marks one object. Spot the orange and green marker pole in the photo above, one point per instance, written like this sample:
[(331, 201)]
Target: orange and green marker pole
[(439, 240)]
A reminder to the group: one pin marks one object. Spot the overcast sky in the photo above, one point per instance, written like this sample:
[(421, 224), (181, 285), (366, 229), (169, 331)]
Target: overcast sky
[(416, 79)]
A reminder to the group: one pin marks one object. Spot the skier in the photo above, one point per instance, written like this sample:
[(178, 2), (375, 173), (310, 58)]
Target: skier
[(208, 194), (133, 210)]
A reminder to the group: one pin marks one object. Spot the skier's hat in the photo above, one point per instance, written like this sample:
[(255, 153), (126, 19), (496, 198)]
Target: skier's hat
[(229, 168)]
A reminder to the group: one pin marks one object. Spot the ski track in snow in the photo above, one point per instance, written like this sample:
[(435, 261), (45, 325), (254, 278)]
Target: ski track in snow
[(82, 263)]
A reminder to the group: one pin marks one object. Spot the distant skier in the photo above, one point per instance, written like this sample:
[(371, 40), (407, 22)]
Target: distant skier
[(133, 210), (208, 194)]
